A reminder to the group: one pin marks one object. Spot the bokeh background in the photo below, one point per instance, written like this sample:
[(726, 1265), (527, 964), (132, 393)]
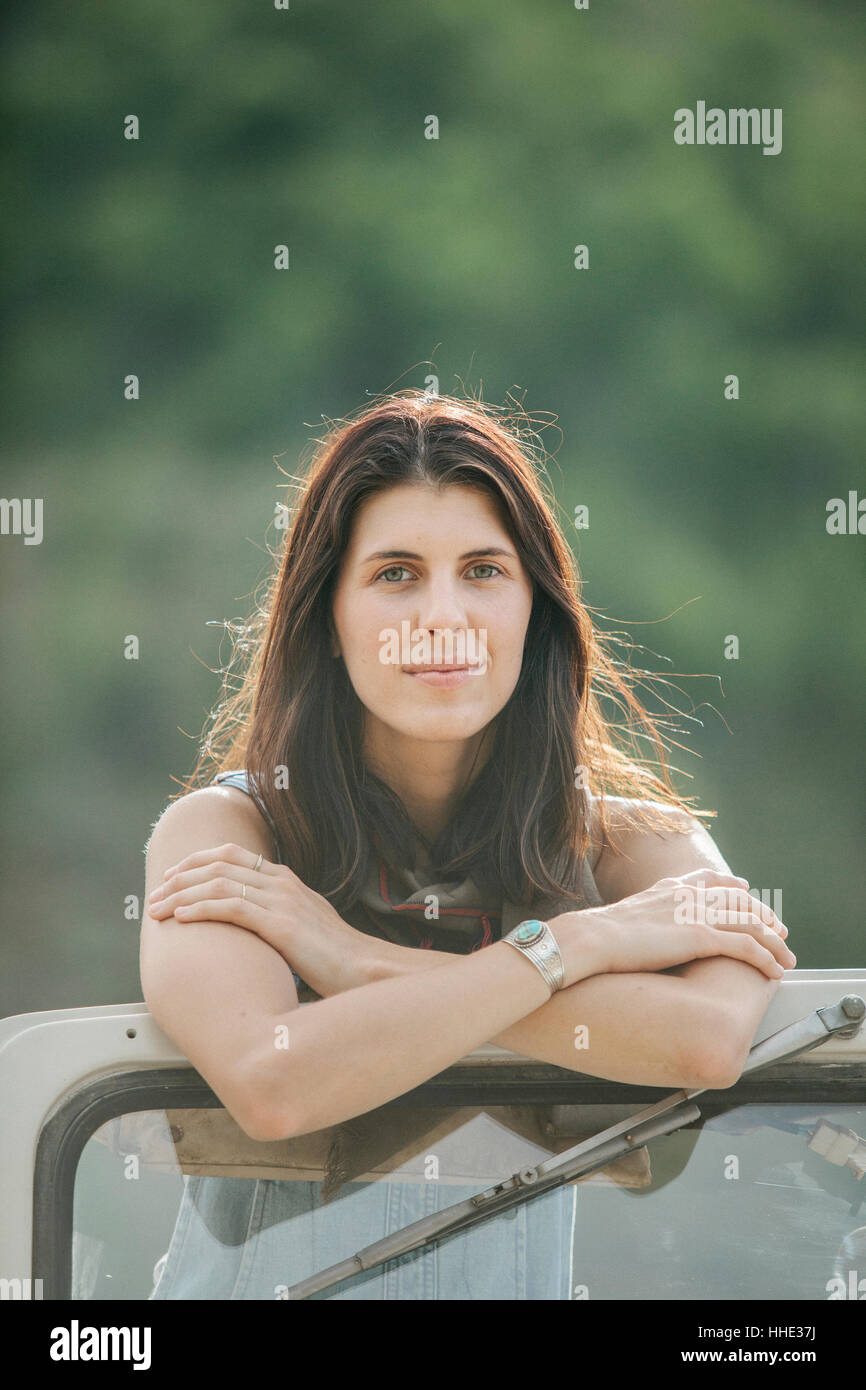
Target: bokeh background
[(412, 257)]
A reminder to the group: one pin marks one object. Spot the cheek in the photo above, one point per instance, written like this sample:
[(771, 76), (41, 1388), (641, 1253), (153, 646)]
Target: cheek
[(358, 631), (506, 640), (362, 657)]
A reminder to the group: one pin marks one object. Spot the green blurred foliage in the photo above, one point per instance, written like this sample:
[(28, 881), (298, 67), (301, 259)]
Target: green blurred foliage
[(306, 127)]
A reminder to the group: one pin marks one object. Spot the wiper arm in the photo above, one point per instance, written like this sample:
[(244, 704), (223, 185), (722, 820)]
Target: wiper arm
[(842, 1020)]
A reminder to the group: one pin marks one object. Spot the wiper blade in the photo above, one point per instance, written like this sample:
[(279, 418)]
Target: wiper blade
[(841, 1019), (595, 1152)]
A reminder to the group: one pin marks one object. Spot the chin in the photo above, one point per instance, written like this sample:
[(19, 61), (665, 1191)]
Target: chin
[(439, 727)]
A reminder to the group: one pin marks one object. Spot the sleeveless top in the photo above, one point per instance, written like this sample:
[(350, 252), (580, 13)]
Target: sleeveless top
[(410, 908)]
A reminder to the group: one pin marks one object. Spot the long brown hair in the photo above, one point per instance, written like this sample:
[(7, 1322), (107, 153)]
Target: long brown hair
[(294, 722)]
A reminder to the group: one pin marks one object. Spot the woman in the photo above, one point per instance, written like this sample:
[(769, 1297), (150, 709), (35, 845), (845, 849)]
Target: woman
[(389, 826)]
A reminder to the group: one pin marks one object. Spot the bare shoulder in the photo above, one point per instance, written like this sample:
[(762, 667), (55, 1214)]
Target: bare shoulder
[(626, 813), (622, 814), (208, 816), (646, 840)]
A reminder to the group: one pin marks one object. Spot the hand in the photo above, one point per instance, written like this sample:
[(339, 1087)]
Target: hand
[(698, 914), (278, 907)]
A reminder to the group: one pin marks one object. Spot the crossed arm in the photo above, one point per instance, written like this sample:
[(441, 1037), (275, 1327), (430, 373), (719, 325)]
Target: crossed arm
[(694, 1021), (218, 991)]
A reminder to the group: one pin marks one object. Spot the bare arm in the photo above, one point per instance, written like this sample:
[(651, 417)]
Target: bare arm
[(644, 1029), (209, 986), (353, 1052), (740, 991), (227, 999), (690, 1025)]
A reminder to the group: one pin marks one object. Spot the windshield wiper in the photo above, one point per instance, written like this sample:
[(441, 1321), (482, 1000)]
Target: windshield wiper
[(840, 1020)]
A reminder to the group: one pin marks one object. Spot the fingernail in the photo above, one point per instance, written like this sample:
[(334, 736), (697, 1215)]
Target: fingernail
[(170, 871)]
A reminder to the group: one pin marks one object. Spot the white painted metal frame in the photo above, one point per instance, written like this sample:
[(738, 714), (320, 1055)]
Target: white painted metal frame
[(47, 1055)]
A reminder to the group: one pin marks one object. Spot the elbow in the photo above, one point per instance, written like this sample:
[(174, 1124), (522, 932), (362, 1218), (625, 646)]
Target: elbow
[(267, 1126), (263, 1122), (258, 1125), (715, 1057), (251, 1113), (717, 1073), (267, 1114)]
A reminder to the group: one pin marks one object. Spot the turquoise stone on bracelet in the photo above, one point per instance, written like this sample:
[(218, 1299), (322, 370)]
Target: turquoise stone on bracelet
[(528, 930)]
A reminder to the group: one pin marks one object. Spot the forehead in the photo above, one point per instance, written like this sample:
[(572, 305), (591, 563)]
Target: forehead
[(419, 516)]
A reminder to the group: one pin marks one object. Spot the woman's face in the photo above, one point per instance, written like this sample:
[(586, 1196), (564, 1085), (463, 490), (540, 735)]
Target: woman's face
[(427, 586)]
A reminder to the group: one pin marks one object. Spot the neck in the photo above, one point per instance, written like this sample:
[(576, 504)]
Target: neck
[(428, 777)]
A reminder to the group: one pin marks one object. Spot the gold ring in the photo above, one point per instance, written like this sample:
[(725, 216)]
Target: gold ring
[(258, 863)]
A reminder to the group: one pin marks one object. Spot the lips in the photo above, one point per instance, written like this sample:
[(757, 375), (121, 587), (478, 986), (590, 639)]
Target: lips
[(439, 677)]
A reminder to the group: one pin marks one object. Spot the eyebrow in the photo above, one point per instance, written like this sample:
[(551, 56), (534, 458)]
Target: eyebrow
[(411, 554)]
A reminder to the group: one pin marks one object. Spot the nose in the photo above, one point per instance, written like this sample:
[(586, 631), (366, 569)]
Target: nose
[(440, 608)]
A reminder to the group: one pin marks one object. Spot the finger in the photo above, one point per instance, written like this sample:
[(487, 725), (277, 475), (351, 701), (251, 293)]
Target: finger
[(239, 911), (233, 854), (743, 924), (764, 911), (709, 876), (774, 943), (740, 901), (218, 868), (212, 888), (711, 899), (744, 947)]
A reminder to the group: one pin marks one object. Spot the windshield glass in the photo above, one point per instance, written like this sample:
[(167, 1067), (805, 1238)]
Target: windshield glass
[(760, 1201)]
